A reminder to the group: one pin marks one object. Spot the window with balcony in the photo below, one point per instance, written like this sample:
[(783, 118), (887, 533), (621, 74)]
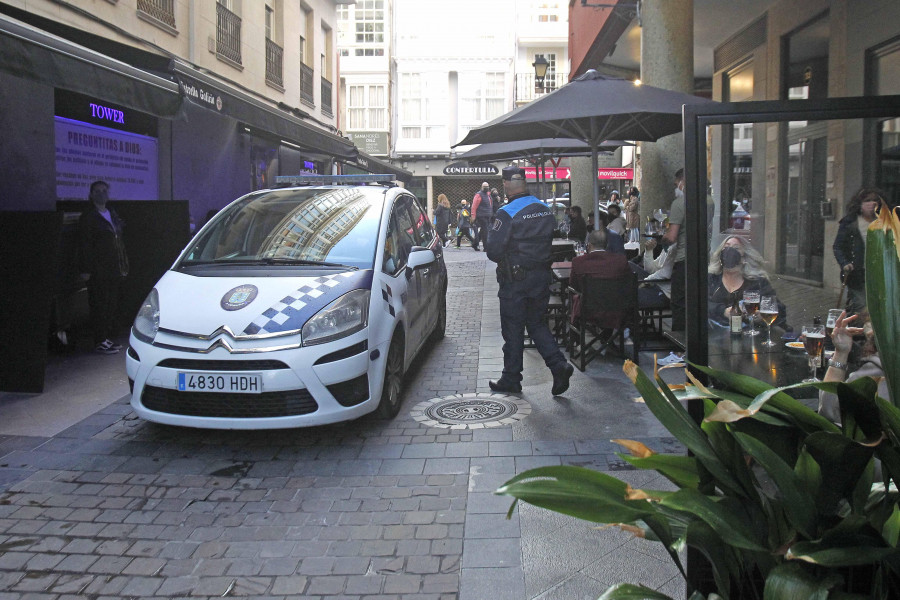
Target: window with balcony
[(274, 52), (158, 12), (228, 33)]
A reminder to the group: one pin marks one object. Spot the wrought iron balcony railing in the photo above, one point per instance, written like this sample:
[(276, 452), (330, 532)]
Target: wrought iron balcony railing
[(527, 88), (274, 63), (306, 85), (228, 34), (326, 98), (161, 10)]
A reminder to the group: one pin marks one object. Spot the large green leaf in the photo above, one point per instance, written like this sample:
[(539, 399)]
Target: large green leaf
[(722, 557), (808, 473), (891, 530), (801, 415), (669, 411), (790, 581), (627, 591), (729, 452), (859, 414), (842, 462), (882, 291), (797, 503), (680, 470), (577, 492), (856, 550), (728, 525)]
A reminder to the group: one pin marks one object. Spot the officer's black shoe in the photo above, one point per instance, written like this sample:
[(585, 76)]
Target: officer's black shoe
[(505, 386), (477, 249), (561, 379)]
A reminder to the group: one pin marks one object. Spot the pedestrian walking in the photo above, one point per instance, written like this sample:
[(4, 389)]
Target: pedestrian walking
[(482, 214), (442, 219), (104, 265), (520, 242), (463, 223)]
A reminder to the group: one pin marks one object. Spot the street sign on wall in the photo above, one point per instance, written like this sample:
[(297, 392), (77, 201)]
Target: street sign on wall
[(374, 143)]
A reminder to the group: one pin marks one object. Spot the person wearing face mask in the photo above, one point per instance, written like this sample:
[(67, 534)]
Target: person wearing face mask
[(850, 245), (735, 267)]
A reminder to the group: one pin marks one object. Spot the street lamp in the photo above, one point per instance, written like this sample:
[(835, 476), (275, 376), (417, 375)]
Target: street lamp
[(540, 65)]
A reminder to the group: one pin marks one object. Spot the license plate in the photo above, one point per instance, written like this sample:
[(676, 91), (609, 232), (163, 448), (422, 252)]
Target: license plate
[(242, 383)]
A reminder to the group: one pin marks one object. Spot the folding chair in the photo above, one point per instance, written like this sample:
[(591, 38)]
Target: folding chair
[(599, 315)]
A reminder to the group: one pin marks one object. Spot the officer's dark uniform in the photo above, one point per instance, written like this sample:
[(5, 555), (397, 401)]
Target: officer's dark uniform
[(520, 242)]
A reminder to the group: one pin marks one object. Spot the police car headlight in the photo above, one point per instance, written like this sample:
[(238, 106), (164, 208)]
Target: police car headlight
[(146, 324), (346, 315)]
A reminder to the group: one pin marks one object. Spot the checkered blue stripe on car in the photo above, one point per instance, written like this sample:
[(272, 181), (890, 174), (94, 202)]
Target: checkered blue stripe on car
[(292, 311)]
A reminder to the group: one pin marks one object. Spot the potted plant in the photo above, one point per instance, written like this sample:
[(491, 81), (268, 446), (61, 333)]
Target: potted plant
[(782, 503)]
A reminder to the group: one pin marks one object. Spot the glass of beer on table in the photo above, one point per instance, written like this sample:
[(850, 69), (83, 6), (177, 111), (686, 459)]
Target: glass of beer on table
[(751, 305), (814, 343), (768, 312)]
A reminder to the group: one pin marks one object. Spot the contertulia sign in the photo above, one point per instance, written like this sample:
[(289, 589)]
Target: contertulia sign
[(463, 168)]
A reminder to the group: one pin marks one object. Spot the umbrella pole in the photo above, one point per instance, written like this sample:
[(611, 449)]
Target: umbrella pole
[(595, 166)]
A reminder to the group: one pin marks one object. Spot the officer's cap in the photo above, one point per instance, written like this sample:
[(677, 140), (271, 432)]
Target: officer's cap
[(513, 172)]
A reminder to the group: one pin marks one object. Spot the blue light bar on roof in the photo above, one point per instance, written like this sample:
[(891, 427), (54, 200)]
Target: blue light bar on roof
[(332, 179)]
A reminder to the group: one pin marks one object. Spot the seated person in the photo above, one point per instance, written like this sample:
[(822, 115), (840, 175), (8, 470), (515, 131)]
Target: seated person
[(598, 261), (616, 221), (735, 266), (657, 269), (850, 362), (577, 225)]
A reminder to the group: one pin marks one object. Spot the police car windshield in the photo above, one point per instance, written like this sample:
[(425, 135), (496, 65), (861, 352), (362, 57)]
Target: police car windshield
[(315, 226)]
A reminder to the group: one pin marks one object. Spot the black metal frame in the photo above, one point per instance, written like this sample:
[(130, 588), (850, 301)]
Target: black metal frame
[(695, 120)]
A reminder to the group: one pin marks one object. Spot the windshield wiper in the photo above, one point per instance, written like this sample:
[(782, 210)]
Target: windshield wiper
[(301, 261)]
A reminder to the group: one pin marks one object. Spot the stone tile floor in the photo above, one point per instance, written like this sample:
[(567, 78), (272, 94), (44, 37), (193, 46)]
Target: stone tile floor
[(105, 505)]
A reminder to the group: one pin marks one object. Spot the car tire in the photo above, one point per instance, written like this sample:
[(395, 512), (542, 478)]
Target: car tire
[(440, 326), (392, 388)]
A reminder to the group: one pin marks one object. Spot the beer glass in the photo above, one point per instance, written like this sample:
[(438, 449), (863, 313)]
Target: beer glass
[(768, 312), (751, 305), (813, 343)]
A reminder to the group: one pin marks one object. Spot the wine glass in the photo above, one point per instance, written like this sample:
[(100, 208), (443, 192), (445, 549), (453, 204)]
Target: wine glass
[(751, 305), (813, 342), (768, 311), (564, 228)]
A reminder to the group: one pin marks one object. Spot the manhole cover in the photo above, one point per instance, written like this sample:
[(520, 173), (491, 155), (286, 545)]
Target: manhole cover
[(471, 411)]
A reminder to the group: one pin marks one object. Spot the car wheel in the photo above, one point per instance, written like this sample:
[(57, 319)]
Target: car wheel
[(440, 327), (392, 388)]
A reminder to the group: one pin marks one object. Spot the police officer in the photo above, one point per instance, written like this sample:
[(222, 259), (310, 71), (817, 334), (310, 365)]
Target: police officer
[(520, 242)]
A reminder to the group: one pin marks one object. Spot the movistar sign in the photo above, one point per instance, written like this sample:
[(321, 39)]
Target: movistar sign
[(462, 168)]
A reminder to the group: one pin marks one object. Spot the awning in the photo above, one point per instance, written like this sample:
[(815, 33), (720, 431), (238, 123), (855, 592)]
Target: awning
[(377, 166), (206, 91), (31, 53)]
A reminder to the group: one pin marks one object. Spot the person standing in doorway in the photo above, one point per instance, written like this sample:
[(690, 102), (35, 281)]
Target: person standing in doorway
[(482, 214), (676, 234), (104, 264), (520, 242)]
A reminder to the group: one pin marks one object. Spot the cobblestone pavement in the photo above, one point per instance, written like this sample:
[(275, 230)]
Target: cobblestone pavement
[(115, 507)]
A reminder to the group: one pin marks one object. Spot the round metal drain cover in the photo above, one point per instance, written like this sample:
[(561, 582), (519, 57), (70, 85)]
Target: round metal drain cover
[(471, 411)]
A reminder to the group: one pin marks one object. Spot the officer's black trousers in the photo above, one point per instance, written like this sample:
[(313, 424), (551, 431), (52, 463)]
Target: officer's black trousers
[(517, 315)]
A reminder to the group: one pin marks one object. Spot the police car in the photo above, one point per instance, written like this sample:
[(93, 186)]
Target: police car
[(295, 306)]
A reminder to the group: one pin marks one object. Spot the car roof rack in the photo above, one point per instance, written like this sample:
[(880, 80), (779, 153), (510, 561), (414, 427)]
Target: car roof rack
[(296, 180)]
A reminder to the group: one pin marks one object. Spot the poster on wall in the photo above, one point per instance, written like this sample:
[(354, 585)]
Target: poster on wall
[(86, 153)]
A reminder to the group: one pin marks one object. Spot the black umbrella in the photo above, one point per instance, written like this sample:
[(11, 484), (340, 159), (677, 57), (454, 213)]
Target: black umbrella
[(591, 108), (536, 152)]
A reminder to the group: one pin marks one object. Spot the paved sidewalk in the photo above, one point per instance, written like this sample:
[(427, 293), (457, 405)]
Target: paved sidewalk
[(95, 502)]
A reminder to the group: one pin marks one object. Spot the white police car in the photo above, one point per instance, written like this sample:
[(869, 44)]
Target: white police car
[(292, 307)]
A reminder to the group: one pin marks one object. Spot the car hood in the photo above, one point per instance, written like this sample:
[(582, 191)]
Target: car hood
[(249, 306)]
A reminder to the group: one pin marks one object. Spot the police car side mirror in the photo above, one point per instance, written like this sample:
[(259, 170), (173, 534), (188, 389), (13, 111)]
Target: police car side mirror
[(419, 256)]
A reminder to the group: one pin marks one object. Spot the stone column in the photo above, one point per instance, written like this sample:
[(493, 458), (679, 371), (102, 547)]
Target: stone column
[(667, 61)]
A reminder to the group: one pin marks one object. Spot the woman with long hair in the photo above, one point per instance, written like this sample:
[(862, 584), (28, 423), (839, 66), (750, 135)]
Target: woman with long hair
[(735, 267), (442, 219), (850, 244), (632, 215)]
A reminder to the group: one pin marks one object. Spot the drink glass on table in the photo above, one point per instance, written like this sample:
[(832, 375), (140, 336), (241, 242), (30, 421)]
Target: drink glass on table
[(813, 343), (768, 312), (751, 305)]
